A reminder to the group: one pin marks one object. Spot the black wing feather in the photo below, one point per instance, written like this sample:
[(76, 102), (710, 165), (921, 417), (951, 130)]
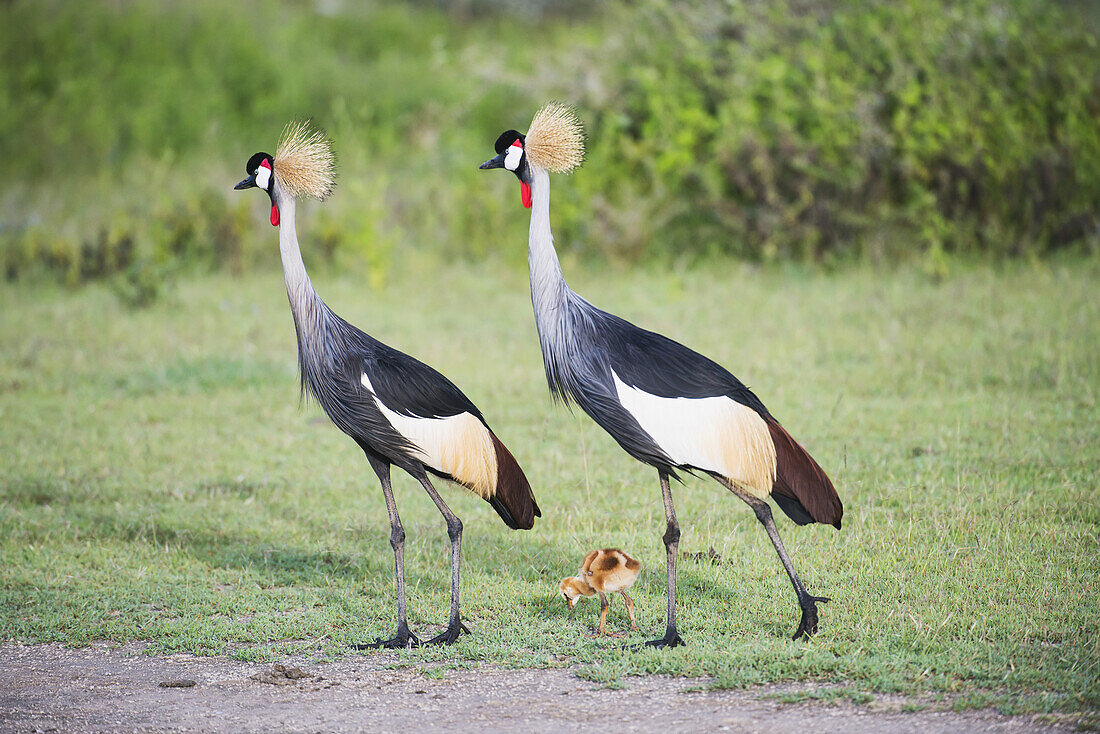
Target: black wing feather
[(665, 368), (407, 386)]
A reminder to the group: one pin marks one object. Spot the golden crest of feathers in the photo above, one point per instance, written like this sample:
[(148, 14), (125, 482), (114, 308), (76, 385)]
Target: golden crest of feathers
[(304, 161), (555, 140)]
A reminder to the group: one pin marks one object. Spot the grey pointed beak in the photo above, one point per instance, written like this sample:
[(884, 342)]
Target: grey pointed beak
[(248, 183), (497, 162)]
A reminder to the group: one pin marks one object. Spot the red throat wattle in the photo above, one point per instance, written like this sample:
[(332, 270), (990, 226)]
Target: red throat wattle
[(274, 215), (524, 193)]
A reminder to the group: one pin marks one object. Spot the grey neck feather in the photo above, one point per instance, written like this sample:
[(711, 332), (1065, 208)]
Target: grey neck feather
[(298, 287), (558, 310), (311, 316), (547, 283)]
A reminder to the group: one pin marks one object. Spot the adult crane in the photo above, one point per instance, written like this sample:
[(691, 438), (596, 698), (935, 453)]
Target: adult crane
[(664, 404), (400, 411)]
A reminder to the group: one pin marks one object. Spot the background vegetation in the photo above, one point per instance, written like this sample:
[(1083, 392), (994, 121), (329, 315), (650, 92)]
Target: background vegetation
[(826, 131)]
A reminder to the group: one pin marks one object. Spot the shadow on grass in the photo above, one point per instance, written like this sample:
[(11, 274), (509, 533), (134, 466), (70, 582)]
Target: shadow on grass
[(279, 563), (31, 491)]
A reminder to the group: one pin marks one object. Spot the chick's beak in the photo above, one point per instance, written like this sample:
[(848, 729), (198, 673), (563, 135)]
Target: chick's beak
[(248, 183), (497, 162)]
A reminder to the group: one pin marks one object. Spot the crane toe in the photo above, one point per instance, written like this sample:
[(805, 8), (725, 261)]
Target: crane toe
[(449, 635), (404, 639), (671, 639), (807, 627)]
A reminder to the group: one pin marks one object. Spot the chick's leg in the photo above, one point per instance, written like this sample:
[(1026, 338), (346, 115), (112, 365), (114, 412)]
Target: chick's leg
[(630, 609), (605, 604)]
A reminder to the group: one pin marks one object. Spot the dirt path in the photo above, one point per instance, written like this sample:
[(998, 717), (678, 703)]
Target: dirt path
[(51, 688)]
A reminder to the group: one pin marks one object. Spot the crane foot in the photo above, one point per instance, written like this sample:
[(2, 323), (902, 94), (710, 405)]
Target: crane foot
[(401, 641), (449, 635), (671, 639), (807, 628)]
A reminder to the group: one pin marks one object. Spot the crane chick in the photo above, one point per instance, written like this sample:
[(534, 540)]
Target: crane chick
[(603, 572)]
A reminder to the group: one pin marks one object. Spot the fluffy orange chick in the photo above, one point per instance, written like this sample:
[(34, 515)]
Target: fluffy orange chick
[(606, 571)]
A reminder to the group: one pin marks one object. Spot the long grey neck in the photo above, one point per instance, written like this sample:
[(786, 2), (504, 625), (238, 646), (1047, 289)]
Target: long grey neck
[(305, 304), (556, 307), (548, 288), (294, 270)]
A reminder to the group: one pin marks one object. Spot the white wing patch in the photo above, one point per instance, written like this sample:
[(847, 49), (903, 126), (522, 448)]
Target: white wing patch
[(459, 445), (716, 434)]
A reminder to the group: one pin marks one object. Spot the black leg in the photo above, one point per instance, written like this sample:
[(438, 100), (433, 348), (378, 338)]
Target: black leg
[(807, 627), (403, 638), (672, 543), (454, 532)]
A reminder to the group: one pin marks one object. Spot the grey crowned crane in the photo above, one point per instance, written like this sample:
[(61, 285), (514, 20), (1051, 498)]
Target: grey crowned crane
[(664, 404), (400, 411)]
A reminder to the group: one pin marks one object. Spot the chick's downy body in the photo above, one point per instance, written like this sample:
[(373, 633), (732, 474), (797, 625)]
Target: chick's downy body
[(603, 572)]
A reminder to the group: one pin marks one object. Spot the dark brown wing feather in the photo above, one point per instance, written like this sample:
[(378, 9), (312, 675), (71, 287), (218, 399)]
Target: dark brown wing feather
[(802, 488), (513, 500), (606, 562)]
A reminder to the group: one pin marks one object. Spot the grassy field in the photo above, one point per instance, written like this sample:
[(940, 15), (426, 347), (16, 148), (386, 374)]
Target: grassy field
[(159, 480)]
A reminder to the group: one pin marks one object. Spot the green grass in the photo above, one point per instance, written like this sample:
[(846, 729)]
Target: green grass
[(159, 480)]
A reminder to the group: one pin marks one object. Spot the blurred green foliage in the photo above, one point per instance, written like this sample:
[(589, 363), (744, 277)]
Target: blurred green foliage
[(822, 130), (816, 129)]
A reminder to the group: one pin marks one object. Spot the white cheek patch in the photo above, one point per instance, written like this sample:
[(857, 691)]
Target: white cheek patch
[(512, 157), (263, 177)]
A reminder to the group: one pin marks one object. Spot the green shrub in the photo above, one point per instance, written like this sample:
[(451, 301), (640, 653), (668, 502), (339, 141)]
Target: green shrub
[(815, 130), (142, 283)]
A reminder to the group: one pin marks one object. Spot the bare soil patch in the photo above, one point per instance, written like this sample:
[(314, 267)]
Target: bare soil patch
[(101, 688)]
